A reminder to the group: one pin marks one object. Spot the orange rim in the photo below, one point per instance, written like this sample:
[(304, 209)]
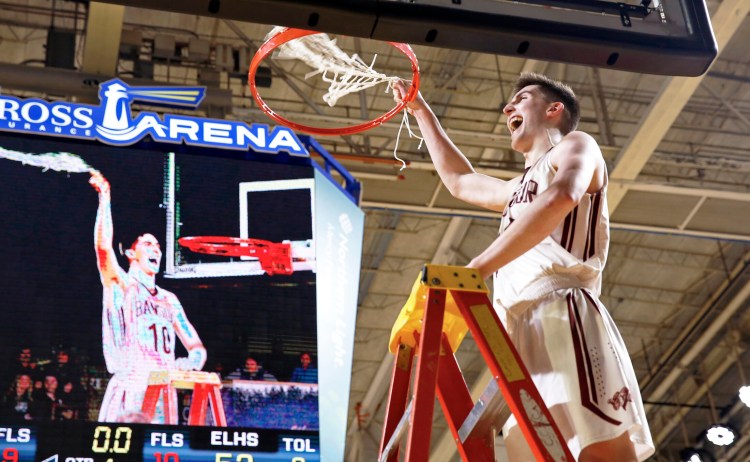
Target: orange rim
[(289, 34), (225, 246)]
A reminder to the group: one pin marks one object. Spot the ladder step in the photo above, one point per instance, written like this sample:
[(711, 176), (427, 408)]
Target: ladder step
[(488, 415), (398, 433)]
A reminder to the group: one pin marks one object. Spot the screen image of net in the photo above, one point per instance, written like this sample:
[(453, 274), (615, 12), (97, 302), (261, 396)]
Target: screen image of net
[(108, 356)]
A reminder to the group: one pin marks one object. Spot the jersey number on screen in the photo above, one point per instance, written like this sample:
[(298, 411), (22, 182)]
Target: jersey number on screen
[(165, 337)]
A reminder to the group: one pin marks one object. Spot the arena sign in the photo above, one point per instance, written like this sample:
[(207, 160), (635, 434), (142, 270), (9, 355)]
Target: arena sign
[(111, 122)]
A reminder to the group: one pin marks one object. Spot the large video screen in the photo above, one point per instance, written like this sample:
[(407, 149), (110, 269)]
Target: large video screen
[(155, 306)]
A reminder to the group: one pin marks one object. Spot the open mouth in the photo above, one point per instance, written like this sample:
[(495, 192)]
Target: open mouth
[(153, 261), (514, 122)]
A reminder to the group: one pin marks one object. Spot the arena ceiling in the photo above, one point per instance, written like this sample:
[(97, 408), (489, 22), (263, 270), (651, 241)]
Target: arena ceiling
[(677, 281)]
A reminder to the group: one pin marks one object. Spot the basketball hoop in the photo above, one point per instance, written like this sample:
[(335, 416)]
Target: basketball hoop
[(274, 257), (289, 34)]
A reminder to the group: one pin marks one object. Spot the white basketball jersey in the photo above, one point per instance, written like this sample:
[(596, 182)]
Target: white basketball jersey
[(572, 256), (139, 338), (149, 328)]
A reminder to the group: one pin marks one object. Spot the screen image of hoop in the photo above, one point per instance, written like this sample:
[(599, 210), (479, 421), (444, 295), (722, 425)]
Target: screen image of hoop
[(265, 226), (347, 71)]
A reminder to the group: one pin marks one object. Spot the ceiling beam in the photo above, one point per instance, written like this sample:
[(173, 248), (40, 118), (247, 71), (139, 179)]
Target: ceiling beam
[(682, 191), (668, 105), (664, 430), (699, 344), (473, 213), (103, 33), (727, 104), (600, 107), (532, 65)]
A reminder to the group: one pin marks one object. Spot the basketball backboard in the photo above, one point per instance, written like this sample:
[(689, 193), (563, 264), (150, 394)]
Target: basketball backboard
[(667, 37), (276, 212)]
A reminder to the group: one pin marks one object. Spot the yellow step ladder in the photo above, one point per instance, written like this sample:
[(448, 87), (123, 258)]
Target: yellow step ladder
[(445, 303)]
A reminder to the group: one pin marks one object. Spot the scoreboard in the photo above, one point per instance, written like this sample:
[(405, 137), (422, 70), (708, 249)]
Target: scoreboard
[(97, 442), (267, 307)]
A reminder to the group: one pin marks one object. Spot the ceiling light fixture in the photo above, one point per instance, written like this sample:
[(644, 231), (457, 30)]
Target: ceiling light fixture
[(692, 454), (745, 395), (721, 435), (695, 455)]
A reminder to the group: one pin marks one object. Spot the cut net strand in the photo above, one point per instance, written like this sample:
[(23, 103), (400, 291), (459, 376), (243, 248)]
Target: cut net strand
[(405, 123), (57, 161), (343, 72)]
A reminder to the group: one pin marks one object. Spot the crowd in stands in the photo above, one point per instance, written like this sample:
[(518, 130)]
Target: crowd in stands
[(53, 385), (252, 369), (44, 388)]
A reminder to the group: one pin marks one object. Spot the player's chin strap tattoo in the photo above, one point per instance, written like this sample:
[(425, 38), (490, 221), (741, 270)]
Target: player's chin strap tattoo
[(195, 360)]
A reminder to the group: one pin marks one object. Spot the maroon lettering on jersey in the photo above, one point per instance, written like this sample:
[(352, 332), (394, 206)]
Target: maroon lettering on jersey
[(142, 308), (151, 306), (525, 193), (530, 189), (620, 399)]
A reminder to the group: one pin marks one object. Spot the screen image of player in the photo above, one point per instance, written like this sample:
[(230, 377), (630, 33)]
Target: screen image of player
[(116, 334)]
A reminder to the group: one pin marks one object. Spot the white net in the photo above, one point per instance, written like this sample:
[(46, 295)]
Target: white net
[(344, 73), (57, 161)]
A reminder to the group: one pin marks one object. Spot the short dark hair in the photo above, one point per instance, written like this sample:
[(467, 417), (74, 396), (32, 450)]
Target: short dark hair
[(138, 238), (133, 241), (555, 91)]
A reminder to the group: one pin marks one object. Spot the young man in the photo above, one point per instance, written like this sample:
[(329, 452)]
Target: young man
[(305, 372), (547, 263), (139, 319), (252, 371)]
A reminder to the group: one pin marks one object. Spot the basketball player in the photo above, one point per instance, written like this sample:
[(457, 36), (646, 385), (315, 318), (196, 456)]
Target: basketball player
[(139, 319), (547, 263)]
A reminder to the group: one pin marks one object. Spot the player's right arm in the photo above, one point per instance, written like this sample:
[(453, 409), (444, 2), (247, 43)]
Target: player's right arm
[(106, 260), (455, 170), (114, 339)]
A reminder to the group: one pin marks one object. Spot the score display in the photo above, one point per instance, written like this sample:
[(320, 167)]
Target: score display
[(97, 442)]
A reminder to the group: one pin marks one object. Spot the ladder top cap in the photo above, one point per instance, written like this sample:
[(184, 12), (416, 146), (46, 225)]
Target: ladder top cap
[(451, 277), (183, 379)]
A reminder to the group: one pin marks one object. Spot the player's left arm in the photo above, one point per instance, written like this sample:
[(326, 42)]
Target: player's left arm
[(579, 165), (187, 334)]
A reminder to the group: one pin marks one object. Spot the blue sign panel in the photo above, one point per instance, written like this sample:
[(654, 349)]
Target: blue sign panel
[(111, 122)]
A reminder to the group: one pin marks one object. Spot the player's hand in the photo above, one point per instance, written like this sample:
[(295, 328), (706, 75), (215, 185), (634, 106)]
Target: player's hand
[(100, 184), (483, 272), (184, 364), (401, 90)]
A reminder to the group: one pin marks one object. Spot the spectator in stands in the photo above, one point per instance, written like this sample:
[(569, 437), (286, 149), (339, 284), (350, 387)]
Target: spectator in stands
[(252, 371), (219, 368), (16, 403), (24, 365), (305, 373), (72, 403), (46, 401), (71, 388), (64, 369)]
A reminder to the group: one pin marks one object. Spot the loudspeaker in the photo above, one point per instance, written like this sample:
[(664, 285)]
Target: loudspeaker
[(61, 48)]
